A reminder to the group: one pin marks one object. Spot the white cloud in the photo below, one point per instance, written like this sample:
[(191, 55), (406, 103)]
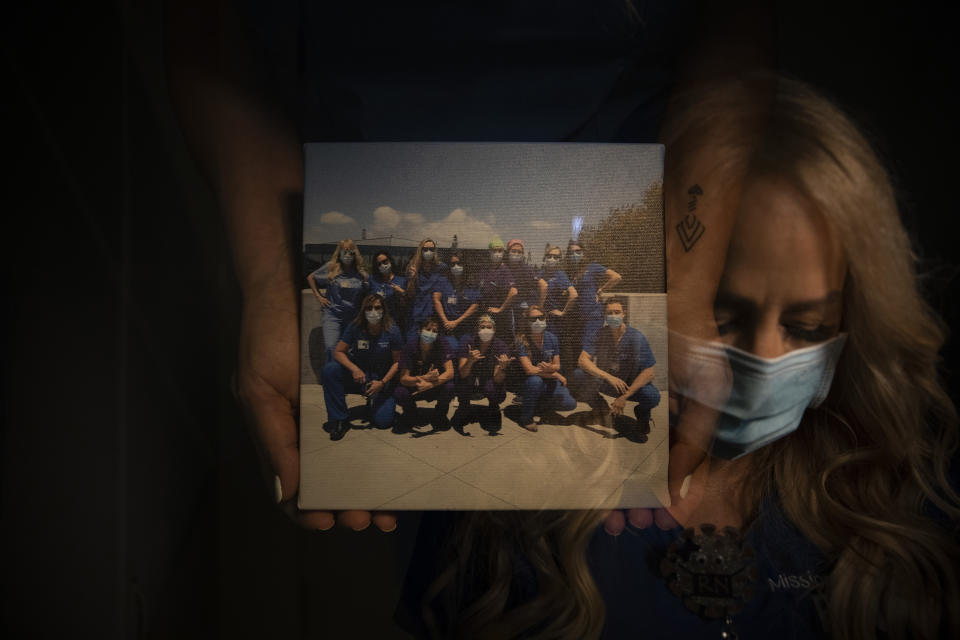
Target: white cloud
[(472, 233), (335, 217), (387, 220), (542, 224)]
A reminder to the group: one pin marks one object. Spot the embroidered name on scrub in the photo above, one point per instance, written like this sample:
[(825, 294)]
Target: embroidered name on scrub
[(451, 299), (363, 344)]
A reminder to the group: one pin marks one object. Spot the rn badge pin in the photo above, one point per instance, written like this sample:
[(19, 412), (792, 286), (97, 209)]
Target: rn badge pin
[(712, 573)]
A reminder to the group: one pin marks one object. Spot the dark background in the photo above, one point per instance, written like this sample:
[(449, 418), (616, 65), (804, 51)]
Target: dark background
[(130, 495)]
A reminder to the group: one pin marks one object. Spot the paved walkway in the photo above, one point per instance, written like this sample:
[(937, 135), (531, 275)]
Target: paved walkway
[(571, 466)]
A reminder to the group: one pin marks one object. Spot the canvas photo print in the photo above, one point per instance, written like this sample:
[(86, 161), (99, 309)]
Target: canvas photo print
[(483, 327)]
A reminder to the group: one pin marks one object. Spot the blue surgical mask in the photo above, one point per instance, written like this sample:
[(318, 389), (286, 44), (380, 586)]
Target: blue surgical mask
[(456, 270), (551, 263), (428, 336), (768, 395), (576, 257), (614, 321), (516, 258), (385, 268), (427, 255), (373, 316), (538, 325)]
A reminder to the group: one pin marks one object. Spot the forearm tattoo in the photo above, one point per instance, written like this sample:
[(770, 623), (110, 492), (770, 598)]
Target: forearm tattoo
[(690, 229)]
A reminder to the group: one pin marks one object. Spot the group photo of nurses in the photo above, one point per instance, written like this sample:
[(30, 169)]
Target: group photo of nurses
[(436, 338)]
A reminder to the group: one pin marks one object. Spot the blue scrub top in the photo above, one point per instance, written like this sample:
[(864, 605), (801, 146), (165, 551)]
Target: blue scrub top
[(456, 301), (373, 354), (626, 570), (625, 359), (495, 283), (587, 306), (557, 285), (482, 370), (411, 358), (525, 279), (345, 291), (427, 283), (392, 297), (551, 348)]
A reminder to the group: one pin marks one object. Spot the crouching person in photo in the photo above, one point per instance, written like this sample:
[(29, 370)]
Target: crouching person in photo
[(538, 379), (483, 364), (617, 361), (426, 373), (365, 363)]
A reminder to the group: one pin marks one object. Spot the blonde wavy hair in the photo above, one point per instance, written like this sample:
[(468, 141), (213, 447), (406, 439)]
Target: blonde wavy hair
[(417, 260), (334, 268), (857, 477)]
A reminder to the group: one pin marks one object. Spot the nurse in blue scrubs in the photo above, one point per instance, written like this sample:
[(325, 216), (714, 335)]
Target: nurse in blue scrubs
[(590, 279), (345, 282), (616, 361), (364, 362), (561, 294), (423, 278), (538, 378), (388, 284), (455, 303)]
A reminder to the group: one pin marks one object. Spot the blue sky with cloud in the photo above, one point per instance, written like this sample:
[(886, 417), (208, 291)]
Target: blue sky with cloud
[(477, 191)]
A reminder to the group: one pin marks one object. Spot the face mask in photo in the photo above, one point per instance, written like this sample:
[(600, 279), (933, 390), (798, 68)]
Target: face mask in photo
[(428, 254), (496, 257), (538, 325), (614, 321), (385, 268), (550, 262), (516, 258), (456, 270), (346, 257), (576, 257), (767, 396), (373, 315), (486, 335), (428, 336)]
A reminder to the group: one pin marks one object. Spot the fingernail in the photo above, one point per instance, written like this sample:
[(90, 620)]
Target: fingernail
[(685, 485), (612, 533), (329, 525), (393, 528), (277, 489), (361, 528)]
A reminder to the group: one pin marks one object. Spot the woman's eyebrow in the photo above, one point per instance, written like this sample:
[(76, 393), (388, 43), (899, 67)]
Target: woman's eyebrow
[(831, 299)]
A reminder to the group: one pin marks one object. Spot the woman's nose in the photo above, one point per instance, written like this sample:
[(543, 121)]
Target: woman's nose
[(765, 342)]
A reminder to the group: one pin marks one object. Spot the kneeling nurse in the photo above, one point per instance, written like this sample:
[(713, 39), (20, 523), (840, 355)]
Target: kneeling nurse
[(426, 373), (364, 362)]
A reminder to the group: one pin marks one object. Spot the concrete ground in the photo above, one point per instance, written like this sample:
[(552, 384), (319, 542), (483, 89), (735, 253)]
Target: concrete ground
[(566, 464)]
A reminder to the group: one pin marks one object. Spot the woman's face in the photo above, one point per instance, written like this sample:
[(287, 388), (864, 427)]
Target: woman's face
[(383, 264), (486, 324), (782, 283), (552, 258)]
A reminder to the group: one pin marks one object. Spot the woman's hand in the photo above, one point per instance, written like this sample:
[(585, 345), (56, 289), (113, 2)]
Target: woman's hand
[(618, 384), (423, 385), (358, 375), (473, 355), (618, 405), (556, 313), (374, 387), (561, 378), (323, 301), (449, 325), (494, 310), (503, 360)]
